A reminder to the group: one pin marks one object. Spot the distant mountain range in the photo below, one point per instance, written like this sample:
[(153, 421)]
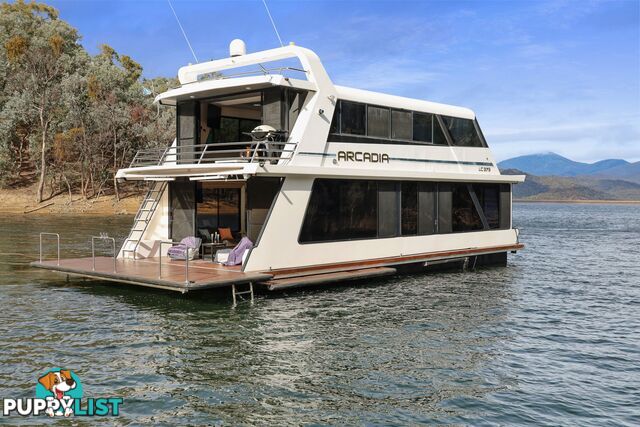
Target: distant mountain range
[(552, 164), (553, 177)]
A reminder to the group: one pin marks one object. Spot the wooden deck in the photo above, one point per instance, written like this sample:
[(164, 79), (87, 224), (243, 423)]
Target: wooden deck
[(145, 272), (203, 274)]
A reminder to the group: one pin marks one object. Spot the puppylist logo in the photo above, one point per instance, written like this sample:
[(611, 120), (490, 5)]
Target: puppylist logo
[(59, 393)]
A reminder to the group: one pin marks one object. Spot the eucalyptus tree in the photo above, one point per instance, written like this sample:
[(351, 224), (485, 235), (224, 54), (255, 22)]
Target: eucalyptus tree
[(40, 51)]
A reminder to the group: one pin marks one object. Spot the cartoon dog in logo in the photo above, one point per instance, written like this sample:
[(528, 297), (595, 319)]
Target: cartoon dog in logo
[(58, 383)]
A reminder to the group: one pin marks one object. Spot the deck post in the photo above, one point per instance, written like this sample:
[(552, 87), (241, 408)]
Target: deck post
[(186, 270), (58, 243), (233, 292)]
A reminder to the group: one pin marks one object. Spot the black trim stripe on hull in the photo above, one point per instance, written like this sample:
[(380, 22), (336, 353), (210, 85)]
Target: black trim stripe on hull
[(403, 159)]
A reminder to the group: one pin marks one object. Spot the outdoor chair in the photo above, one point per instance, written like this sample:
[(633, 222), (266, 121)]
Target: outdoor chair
[(188, 247)]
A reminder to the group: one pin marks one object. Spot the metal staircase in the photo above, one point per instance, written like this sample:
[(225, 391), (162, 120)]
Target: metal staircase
[(142, 219)]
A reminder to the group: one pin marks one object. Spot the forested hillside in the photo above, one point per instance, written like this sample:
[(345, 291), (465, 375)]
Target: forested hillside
[(69, 120)]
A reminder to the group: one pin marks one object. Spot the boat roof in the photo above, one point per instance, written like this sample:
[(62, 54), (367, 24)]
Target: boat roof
[(219, 87), (403, 103), (195, 83)]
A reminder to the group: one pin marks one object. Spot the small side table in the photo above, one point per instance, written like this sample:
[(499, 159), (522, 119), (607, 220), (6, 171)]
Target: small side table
[(214, 248)]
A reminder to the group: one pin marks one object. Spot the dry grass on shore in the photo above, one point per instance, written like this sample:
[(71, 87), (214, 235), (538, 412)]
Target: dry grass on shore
[(22, 201)]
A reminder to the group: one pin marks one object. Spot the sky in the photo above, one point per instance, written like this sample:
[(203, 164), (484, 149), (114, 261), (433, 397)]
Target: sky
[(560, 76)]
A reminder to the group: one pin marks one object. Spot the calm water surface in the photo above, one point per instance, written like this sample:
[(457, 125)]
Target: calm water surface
[(552, 339)]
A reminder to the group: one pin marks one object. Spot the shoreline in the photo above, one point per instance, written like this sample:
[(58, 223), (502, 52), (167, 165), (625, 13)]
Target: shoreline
[(598, 202), (22, 202)]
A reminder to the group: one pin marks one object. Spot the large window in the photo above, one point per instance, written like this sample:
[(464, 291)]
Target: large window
[(401, 127), (388, 209), (236, 130), (422, 127), (359, 209), (217, 207), (341, 210), (353, 118), (409, 202), (462, 131), (489, 198), (464, 214), (356, 122), (378, 122)]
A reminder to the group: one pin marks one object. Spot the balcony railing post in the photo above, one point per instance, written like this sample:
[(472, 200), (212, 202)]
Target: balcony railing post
[(57, 243), (186, 260), (93, 251), (246, 152)]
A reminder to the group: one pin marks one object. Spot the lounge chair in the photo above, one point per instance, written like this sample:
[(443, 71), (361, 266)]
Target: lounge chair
[(188, 247), (237, 254)]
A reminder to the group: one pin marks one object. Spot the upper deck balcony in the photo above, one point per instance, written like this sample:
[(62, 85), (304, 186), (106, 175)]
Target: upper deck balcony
[(260, 151)]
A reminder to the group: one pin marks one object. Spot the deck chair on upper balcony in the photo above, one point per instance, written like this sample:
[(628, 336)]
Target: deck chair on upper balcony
[(188, 247)]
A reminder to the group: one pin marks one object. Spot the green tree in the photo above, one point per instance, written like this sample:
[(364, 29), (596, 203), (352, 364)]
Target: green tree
[(40, 51)]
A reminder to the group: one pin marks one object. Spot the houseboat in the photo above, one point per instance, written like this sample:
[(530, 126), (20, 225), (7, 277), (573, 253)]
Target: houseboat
[(328, 183)]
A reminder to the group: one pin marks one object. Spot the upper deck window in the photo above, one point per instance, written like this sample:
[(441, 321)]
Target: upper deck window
[(357, 122), (422, 127), (401, 125), (463, 132), (378, 122), (352, 118)]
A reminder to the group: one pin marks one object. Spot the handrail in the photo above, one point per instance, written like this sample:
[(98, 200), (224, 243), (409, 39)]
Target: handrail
[(93, 252), (262, 70), (58, 245), (186, 258), (242, 151)]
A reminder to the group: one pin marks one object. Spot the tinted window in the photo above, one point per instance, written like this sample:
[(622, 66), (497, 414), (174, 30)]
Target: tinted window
[(352, 118), (464, 216), (388, 206), (341, 210), (422, 127), (505, 206), (489, 199), (236, 130), (217, 207), (438, 134), (409, 202), (444, 207), (334, 120), (377, 122), (462, 131), (427, 208), (401, 124)]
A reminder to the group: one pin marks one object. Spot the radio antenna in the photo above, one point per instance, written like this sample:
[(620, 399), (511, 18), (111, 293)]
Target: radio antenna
[(183, 33), (272, 23)]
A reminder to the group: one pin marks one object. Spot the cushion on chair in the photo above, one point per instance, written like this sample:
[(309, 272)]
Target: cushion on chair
[(188, 247), (225, 234)]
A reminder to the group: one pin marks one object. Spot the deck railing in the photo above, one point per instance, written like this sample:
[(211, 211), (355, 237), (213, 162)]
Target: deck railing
[(93, 250), (186, 261), (244, 152), (57, 245)]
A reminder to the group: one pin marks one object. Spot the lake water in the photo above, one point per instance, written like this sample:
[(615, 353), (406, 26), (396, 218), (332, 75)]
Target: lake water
[(552, 339)]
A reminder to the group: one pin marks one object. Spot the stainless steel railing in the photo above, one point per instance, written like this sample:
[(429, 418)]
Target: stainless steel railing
[(93, 250), (186, 263), (245, 152), (58, 244)]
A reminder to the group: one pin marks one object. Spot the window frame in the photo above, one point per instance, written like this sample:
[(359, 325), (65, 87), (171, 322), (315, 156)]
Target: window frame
[(442, 192), (436, 120)]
